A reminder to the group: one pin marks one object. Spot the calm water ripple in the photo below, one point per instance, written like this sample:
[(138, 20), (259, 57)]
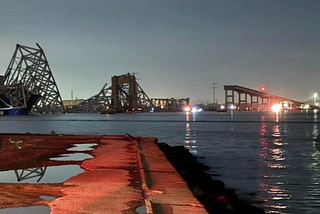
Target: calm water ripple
[(270, 160)]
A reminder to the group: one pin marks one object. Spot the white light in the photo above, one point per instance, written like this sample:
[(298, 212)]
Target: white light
[(315, 110), (307, 106), (232, 106), (222, 107), (285, 105), (187, 109), (276, 108), (194, 110), (200, 110), (315, 95)]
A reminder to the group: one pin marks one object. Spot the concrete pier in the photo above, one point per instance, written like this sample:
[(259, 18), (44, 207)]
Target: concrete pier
[(124, 174)]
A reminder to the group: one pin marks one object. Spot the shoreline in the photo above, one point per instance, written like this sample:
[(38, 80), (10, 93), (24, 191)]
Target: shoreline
[(213, 194)]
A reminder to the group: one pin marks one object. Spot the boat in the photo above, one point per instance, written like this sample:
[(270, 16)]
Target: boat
[(9, 110)]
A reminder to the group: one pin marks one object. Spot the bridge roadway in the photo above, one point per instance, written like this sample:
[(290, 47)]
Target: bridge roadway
[(258, 100)]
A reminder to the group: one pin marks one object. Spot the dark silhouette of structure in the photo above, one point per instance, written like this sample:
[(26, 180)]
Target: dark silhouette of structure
[(125, 94), (250, 99), (29, 75), (28, 84), (25, 174)]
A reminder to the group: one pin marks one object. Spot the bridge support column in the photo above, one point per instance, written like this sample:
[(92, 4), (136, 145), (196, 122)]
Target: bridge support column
[(243, 101), (115, 92), (229, 98), (246, 100), (239, 104), (133, 104), (254, 102), (264, 103)]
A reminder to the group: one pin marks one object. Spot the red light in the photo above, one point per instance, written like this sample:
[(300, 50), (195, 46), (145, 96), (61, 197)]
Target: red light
[(263, 88)]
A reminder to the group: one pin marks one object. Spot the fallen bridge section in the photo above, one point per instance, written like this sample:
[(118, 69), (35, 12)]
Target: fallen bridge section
[(126, 95), (29, 67)]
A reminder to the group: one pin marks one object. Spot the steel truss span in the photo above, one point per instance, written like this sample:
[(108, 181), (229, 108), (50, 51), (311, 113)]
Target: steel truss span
[(12, 96), (96, 103), (125, 94), (29, 67)]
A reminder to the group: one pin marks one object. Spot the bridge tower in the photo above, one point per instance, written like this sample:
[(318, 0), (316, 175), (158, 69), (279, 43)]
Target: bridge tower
[(125, 94)]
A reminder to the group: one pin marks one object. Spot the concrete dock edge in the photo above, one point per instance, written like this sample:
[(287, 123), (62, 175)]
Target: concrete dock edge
[(163, 188)]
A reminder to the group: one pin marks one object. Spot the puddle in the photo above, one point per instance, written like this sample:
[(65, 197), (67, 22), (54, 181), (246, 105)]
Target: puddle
[(50, 174), (24, 210), (72, 157), (47, 197), (141, 210), (82, 147)]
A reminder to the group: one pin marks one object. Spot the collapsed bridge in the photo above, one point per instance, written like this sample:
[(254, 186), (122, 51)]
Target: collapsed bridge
[(29, 85), (125, 94)]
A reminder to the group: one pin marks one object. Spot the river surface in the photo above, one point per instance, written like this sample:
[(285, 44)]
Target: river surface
[(270, 160)]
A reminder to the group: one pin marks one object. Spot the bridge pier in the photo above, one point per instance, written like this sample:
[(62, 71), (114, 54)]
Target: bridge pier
[(254, 102), (243, 101), (229, 98)]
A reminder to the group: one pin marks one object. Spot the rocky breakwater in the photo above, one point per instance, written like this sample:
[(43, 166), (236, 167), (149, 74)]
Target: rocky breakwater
[(211, 193)]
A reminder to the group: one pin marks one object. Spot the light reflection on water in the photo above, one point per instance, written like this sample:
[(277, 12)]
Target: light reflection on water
[(288, 182), (190, 141), (271, 160), (272, 190), (50, 174)]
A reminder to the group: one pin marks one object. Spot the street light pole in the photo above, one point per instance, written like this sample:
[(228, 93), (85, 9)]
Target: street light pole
[(315, 95), (214, 94)]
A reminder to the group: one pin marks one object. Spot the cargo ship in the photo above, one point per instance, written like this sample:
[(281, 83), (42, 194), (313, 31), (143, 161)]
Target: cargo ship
[(6, 109)]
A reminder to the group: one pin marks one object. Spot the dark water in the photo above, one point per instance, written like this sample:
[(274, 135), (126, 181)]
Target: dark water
[(270, 160)]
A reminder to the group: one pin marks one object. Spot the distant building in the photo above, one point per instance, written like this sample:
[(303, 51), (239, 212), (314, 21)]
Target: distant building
[(69, 103)]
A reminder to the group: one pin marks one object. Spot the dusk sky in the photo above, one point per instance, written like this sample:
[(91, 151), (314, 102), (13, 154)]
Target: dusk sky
[(178, 48)]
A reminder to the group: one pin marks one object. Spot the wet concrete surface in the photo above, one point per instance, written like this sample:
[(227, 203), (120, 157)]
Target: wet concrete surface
[(114, 180)]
